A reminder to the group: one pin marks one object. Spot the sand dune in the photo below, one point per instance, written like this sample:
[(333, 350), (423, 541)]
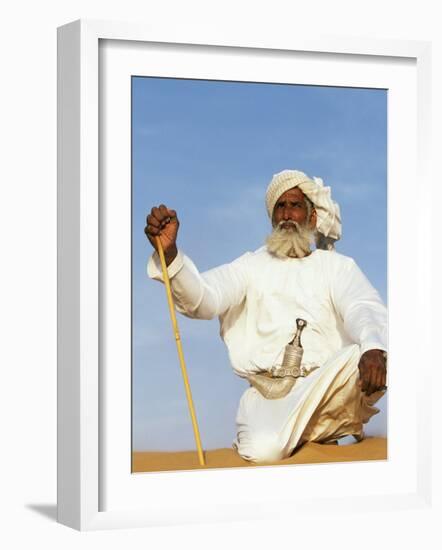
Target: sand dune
[(372, 448)]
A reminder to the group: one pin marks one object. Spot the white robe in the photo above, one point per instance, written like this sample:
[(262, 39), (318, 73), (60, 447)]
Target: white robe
[(258, 298)]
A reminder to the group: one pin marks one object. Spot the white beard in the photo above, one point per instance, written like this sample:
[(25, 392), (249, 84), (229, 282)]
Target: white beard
[(293, 242)]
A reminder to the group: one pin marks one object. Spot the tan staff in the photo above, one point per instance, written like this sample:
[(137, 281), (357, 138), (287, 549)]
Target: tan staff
[(180, 351)]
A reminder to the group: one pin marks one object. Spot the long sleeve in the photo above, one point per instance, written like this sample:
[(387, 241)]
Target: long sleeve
[(362, 311), (203, 295)]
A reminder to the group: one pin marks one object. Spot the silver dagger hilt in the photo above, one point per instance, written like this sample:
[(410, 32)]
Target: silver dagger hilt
[(291, 363)]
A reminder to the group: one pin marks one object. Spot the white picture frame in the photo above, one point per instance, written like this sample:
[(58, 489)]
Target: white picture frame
[(80, 395)]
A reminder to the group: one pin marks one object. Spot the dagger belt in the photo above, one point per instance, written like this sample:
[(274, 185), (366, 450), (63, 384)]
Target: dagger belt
[(279, 380)]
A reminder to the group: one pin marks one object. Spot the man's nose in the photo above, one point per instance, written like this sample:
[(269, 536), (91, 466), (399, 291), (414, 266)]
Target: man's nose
[(286, 213)]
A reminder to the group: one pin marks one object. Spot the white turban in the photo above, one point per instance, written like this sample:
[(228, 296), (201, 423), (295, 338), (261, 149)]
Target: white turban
[(328, 215)]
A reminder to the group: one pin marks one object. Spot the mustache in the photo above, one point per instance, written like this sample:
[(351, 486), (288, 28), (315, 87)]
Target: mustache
[(280, 226)]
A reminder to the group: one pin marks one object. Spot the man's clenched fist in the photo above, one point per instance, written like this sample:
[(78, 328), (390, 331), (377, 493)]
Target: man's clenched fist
[(372, 371), (163, 223)]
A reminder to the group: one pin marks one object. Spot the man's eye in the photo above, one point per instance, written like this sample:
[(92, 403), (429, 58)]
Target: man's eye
[(292, 205)]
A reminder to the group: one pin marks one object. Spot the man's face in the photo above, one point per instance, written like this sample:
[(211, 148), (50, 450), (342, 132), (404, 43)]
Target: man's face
[(291, 205)]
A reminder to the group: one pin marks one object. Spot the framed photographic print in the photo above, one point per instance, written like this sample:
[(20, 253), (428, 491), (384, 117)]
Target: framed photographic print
[(146, 119), (181, 130)]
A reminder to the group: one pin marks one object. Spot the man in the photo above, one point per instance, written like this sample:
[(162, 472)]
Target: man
[(258, 298)]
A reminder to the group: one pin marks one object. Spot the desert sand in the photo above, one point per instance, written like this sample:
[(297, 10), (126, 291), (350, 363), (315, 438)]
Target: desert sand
[(371, 448)]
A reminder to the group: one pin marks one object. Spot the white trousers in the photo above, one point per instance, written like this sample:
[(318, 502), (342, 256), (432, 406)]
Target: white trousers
[(325, 405)]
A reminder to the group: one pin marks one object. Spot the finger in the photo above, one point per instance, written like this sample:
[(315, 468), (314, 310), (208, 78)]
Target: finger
[(382, 382), (368, 390), (167, 215), (164, 211), (374, 380), (151, 231), (377, 379), (379, 375), (383, 377), (364, 381), (156, 213), (371, 382), (152, 221)]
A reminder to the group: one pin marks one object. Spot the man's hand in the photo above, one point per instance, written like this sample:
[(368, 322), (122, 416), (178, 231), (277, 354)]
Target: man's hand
[(163, 223), (372, 371)]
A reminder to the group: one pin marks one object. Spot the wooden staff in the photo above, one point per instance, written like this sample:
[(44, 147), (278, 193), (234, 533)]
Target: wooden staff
[(180, 352)]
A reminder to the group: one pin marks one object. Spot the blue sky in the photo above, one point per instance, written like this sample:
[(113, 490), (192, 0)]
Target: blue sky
[(208, 149)]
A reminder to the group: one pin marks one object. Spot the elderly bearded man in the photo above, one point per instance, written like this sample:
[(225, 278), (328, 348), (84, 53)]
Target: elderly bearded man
[(258, 298)]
